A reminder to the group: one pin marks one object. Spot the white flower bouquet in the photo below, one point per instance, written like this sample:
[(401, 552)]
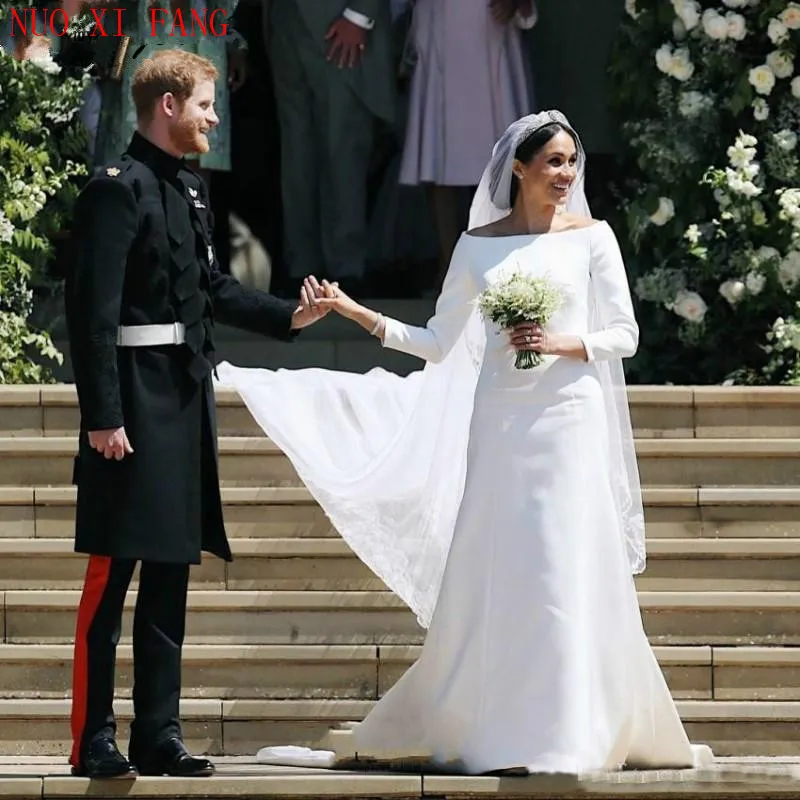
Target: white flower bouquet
[(517, 299)]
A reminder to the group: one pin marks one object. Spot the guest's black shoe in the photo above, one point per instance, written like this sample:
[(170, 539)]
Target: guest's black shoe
[(103, 760), (171, 758)]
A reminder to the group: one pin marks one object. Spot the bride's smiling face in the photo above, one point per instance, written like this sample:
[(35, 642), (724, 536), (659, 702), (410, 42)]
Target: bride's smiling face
[(545, 179)]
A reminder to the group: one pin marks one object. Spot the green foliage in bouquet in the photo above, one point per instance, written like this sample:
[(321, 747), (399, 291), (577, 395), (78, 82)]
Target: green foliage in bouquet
[(42, 151), (520, 298), (709, 97)]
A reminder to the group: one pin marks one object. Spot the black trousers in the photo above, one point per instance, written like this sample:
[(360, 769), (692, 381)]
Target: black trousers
[(158, 631)]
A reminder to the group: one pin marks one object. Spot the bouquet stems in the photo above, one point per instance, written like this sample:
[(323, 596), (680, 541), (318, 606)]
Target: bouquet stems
[(528, 359)]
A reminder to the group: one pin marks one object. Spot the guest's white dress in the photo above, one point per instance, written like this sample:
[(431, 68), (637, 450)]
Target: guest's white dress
[(535, 656)]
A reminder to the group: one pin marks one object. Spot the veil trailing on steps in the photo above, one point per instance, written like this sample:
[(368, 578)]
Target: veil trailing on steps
[(385, 456)]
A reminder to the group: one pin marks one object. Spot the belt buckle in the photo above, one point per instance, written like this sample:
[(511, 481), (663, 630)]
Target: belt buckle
[(176, 333)]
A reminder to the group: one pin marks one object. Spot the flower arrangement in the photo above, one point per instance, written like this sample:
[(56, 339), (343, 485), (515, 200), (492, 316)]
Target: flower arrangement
[(42, 151), (711, 204), (520, 298)]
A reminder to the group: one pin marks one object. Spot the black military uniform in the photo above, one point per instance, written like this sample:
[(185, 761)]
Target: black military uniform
[(142, 230)]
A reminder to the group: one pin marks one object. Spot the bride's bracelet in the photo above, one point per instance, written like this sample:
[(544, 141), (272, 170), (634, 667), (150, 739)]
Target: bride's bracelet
[(377, 326)]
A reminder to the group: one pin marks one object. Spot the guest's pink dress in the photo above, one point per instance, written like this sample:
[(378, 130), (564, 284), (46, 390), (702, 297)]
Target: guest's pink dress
[(470, 83)]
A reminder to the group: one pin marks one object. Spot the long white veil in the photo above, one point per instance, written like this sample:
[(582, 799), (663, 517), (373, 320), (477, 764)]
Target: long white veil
[(385, 456)]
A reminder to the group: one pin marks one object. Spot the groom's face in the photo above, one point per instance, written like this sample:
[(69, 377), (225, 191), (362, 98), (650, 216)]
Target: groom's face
[(194, 119)]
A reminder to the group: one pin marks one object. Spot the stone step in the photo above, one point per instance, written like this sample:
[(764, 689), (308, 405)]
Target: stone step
[(286, 617), (656, 412), (250, 512), (270, 511), (270, 564), (254, 461), (693, 565), (241, 727), (289, 672), (47, 778)]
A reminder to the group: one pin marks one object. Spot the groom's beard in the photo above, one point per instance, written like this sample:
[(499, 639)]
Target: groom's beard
[(187, 137)]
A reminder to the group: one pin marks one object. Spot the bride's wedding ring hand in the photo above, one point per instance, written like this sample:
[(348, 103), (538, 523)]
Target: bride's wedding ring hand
[(529, 336)]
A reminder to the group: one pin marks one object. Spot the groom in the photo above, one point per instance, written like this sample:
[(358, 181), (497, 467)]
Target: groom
[(142, 298)]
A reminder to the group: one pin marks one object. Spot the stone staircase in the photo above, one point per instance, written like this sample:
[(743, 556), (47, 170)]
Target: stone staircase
[(297, 635)]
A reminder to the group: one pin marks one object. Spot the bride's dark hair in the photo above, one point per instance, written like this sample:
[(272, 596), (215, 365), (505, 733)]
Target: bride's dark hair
[(531, 145)]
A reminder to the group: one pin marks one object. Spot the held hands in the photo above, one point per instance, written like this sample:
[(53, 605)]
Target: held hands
[(309, 310), (111, 443), (348, 40)]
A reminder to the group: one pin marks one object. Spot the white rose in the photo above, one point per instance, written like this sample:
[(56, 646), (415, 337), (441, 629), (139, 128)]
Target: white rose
[(781, 63), (691, 16), (790, 16), (760, 109), (789, 270), (690, 306), (785, 139), (664, 213), (735, 3), (737, 27), (762, 79), (732, 291), (777, 31), (688, 11), (682, 66), (630, 8), (664, 58), (764, 254), (714, 24), (796, 87), (755, 281)]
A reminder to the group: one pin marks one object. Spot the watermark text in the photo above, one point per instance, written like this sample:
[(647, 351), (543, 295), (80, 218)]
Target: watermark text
[(108, 22)]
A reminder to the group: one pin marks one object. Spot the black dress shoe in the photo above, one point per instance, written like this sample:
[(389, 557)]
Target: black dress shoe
[(171, 758), (103, 760)]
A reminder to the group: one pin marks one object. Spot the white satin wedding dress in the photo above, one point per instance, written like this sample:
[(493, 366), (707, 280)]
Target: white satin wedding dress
[(535, 656)]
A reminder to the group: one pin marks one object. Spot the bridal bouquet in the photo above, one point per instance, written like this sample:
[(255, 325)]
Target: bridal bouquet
[(517, 299)]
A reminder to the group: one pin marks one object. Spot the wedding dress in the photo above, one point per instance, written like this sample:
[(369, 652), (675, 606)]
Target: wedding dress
[(535, 656), (502, 505)]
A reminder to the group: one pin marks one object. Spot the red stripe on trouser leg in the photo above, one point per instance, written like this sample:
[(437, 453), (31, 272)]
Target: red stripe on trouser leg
[(95, 583)]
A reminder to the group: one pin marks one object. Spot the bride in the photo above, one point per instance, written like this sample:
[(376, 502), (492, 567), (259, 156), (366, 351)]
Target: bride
[(503, 505)]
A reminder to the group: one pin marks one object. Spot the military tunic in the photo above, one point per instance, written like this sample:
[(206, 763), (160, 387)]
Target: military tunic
[(142, 231)]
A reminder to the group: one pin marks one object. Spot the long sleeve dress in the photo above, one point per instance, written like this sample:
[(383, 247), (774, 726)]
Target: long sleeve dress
[(535, 657)]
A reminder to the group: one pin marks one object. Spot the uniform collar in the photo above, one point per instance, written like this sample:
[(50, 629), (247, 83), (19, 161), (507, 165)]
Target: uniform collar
[(160, 161)]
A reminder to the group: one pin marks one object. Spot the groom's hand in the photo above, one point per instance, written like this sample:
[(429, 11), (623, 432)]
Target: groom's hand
[(309, 310)]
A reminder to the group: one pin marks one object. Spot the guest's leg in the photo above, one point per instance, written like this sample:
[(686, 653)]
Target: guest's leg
[(346, 130), (300, 173)]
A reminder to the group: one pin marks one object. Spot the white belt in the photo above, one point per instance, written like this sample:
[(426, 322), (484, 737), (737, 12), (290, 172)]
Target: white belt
[(151, 335)]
